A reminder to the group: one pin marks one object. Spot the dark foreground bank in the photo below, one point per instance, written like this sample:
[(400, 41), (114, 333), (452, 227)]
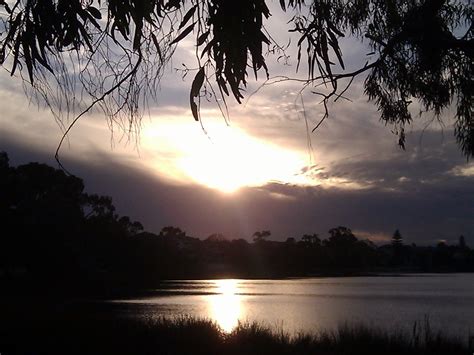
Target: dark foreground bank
[(88, 335)]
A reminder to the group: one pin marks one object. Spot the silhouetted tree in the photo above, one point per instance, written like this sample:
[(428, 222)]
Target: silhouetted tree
[(311, 239), (132, 227), (41, 218), (98, 206), (399, 254), (6, 185), (216, 237), (340, 237), (422, 50), (172, 232), (4, 161), (397, 240), (345, 250), (261, 236)]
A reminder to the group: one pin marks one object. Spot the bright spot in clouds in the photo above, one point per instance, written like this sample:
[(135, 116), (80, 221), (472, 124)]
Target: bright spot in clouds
[(463, 170), (224, 157)]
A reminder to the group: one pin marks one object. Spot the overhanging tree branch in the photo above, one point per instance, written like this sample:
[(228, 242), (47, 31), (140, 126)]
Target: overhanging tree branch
[(418, 54)]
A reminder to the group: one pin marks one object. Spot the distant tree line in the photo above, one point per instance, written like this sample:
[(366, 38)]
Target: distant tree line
[(55, 234)]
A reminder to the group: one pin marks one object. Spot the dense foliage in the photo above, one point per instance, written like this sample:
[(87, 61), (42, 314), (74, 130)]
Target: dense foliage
[(115, 51)]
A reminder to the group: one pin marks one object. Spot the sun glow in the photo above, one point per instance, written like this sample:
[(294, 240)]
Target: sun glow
[(225, 158)]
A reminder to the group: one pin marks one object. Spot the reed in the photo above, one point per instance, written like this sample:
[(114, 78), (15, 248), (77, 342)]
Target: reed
[(187, 335)]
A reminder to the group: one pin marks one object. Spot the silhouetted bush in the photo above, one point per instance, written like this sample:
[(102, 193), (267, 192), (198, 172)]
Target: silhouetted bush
[(184, 335)]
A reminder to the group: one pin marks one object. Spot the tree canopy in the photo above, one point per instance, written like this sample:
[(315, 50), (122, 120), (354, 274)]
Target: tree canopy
[(79, 54)]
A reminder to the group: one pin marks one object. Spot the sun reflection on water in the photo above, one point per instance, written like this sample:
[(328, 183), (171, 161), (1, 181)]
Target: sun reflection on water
[(226, 308)]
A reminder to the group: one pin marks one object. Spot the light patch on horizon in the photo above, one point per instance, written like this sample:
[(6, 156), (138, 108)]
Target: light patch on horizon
[(324, 179), (345, 184), (465, 170), (375, 237)]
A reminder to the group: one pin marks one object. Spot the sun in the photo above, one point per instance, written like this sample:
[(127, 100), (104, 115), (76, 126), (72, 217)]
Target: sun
[(225, 158), (231, 159)]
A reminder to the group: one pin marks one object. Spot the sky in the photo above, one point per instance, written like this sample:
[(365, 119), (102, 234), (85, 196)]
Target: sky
[(263, 169)]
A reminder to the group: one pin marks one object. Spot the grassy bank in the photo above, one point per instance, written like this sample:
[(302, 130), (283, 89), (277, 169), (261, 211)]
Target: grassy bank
[(89, 335)]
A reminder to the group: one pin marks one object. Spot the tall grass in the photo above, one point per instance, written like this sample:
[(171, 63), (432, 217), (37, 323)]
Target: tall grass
[(186, 335)]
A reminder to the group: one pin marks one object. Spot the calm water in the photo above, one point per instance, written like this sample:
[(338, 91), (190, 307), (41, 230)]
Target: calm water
[(312, 303)]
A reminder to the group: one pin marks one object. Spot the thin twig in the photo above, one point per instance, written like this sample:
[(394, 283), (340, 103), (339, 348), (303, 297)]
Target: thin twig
[(99, 99)]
